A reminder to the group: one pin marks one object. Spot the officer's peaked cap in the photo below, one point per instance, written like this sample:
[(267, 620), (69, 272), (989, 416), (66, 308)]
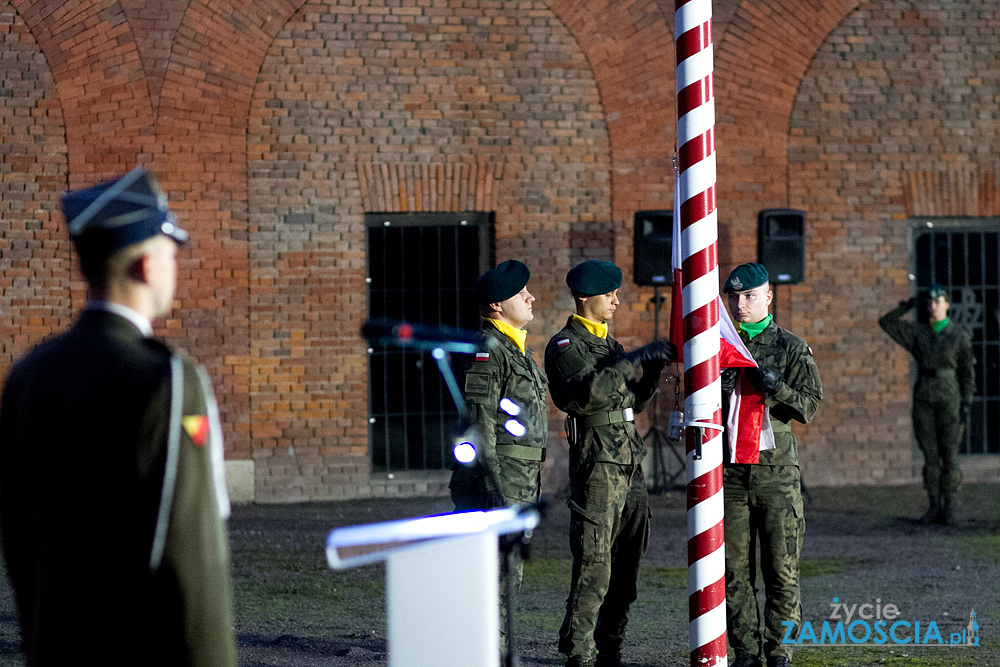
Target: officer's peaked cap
[(118, 213), (746, 276), (501, 283), (594, 277)]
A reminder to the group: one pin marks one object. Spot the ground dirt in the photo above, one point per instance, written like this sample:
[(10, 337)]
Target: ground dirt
[(862, 546)]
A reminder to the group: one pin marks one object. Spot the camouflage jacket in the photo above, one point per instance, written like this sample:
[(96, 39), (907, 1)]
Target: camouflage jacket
[(799, 394), (589, 376), (503, 458), (946, 365)]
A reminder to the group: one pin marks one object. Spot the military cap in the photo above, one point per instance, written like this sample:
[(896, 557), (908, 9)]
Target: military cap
[(746, 276), (501, 283), (937, 290), (594, 277), (118, 213)]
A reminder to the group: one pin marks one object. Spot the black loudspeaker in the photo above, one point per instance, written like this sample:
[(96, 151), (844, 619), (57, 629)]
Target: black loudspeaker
[(781, 244), (652, 244)]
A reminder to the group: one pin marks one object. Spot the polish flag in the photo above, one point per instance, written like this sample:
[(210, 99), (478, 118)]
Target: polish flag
[(749, 424)]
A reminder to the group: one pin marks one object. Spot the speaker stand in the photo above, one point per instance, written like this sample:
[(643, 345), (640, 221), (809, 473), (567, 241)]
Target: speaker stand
[(655, 437)]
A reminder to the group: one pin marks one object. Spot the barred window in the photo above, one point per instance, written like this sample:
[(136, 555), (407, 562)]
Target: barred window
[(421, 267), (964, 256)]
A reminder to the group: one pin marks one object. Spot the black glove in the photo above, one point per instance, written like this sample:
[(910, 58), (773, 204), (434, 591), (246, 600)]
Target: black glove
[(495, 499), (909, 304), (766, 380), (659, 350), (965, 410), (729, 378)]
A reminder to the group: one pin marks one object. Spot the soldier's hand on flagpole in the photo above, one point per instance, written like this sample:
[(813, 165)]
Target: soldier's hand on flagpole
[(658, 350)]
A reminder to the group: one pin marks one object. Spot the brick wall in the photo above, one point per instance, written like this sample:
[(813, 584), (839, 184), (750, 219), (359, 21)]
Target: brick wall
[(262, 120), (446, 89), (35, 253), (896, 116)]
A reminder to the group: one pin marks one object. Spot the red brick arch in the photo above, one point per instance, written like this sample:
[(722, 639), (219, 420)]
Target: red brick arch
[(766, 49), (100, 82), (630, 47)]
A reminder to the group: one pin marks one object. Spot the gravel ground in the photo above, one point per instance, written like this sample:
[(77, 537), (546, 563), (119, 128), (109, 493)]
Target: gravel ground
[(862, 546)]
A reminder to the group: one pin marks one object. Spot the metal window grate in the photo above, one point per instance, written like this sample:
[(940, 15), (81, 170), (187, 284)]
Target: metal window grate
[(964, 256), (420, 269)]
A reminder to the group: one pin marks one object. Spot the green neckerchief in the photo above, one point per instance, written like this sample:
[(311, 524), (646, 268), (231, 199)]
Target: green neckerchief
[(753, 329), (940, 324)]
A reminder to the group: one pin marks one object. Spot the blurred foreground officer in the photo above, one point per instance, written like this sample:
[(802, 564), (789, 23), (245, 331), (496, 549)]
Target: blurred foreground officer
[(942, 395), (600, 387), (505, 394), (112, 494), (763, 500)]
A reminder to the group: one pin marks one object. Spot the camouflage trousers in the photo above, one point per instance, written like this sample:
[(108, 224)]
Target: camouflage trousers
[(763, 503), (471, 497), (608, 535), (939, 431)]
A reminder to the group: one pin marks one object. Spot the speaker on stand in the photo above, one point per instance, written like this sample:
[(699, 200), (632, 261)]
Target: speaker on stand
[(652, 245)]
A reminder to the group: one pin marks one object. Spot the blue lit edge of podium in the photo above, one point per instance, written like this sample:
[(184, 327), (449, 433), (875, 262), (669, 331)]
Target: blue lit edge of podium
[(442, 593)]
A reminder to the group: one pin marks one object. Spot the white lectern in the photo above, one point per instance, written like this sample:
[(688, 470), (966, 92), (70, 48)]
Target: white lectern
[(442, 593)]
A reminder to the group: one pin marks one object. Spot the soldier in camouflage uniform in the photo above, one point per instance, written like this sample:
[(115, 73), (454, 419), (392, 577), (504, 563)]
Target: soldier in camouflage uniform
[(763, 501), (508, 465), (942, 395), (600, 387)]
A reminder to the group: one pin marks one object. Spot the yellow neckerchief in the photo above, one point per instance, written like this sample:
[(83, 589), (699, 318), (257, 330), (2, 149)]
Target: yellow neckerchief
[(940, 324), (516, 335), (599, 329)]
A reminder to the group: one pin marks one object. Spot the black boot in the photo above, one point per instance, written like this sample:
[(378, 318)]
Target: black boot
[(577, 661), (778, 661), (746, 660), (608, 659), (933, 511), (946, 515)]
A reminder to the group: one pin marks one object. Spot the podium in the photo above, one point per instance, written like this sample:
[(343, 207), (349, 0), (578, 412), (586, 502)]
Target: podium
[(442, 573)]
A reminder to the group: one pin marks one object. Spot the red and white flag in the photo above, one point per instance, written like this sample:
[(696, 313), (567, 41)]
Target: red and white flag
[(749, 424)]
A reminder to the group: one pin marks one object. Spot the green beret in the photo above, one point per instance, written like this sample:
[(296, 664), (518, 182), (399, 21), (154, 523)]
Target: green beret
[(501, 283), (594, 277), (746, 276), (937, 290)]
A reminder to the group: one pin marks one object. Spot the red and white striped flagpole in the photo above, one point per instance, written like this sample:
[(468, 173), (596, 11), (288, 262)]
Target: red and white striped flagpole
[(700, 279)]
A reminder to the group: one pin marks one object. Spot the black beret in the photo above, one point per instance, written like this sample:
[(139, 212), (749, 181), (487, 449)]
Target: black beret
[(118, 213), (594, 277), (501, 283), (746, 276)]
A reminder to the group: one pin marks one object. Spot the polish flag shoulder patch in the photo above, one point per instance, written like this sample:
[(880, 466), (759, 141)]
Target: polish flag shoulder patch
[(482, 356), (562, 343), (197, 428)]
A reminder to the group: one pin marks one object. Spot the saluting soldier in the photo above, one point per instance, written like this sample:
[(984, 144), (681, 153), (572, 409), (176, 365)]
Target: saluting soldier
[(601, 388), (505, 393), (763, 501), (942, 395), (112, 492)]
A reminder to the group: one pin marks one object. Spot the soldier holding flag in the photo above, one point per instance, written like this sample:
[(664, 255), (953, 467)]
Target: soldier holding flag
[(763, 494)]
